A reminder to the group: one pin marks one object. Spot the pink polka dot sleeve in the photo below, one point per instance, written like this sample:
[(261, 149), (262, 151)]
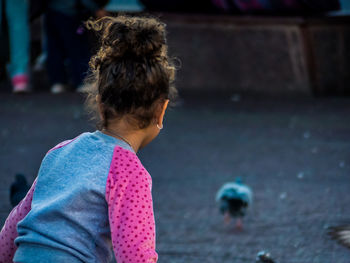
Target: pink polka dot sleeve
[(130, 208), (9, 231)]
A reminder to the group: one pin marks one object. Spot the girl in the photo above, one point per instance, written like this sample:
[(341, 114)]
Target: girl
[(92, 196)]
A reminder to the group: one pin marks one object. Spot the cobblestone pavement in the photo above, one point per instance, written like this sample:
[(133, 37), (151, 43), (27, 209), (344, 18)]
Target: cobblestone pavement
[(295, 154)]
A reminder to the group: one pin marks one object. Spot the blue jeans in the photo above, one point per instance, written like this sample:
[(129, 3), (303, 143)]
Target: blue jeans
[(18, 27)]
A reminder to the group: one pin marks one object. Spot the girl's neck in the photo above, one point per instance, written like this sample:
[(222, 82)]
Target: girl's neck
[(131, 137)]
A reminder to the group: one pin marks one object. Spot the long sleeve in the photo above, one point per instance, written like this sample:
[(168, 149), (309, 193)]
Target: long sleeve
[(130, 208), (9, 231)]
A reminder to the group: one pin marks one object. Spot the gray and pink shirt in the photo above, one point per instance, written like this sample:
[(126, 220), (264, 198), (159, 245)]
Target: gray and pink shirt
[(92, 197)]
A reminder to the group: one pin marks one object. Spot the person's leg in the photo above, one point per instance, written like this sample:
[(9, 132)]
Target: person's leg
[(18, 24), (4, 47), (345, 5), (40, 61), (76, 46), (1, 17), (55, 51)]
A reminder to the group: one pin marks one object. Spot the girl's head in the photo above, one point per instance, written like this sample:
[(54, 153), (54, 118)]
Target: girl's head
[(131, 75)]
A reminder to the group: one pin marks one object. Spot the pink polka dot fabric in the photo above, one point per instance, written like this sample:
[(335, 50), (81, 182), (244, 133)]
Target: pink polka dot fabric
[(130, 208), (9, 231)]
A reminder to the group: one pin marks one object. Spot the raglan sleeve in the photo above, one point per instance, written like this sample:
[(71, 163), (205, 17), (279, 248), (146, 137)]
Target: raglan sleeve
[(9, 231), (130, 209)]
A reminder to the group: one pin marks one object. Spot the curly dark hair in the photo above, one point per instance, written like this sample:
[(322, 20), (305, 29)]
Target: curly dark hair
[(131, 71)]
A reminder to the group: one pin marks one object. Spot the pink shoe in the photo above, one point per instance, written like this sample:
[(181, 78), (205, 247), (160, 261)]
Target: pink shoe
[(20, 84)]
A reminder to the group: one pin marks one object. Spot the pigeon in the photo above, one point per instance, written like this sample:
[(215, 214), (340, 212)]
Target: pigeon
[(18, 189), (341, 234), (234, 198), (264, 257)]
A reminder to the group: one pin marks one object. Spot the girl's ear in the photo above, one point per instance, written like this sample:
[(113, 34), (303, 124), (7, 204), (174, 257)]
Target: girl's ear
[(162, 113)]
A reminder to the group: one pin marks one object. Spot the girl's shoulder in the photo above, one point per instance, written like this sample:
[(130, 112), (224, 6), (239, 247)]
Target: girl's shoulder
[(127, 166), (61, 144), (66, 142), (126, 159), (96, 140)]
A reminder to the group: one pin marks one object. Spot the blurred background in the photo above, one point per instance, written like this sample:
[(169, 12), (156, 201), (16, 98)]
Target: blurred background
[(264, 91)]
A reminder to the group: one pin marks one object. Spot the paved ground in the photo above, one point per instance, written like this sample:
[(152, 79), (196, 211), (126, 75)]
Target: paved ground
[(295, 154)]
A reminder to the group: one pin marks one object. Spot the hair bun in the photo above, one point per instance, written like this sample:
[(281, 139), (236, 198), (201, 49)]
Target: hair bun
[(125, 36)]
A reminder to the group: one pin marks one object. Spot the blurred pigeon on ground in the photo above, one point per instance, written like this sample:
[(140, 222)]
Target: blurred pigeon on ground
[(18, 189), (234, 198), (341, 234), (264, 257)]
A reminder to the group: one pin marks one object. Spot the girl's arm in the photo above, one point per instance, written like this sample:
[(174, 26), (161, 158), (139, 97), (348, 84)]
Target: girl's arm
[(9, 231), (130, 208)]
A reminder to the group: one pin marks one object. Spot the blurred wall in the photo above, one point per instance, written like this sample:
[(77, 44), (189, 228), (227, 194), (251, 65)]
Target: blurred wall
[(266, 55)]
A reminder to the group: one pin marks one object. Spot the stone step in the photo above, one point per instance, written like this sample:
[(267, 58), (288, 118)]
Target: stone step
[(266, 55)]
